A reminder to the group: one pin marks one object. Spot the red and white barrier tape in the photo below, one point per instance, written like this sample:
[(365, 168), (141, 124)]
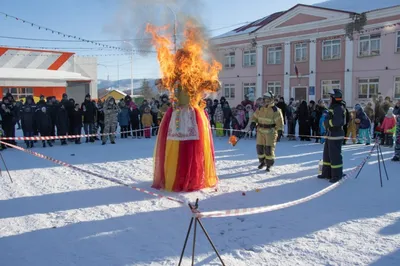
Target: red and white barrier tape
[(247, 211), (70, 136), (243, 131), (91, 173)]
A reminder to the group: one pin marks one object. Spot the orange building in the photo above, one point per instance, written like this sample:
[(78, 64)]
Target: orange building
[(25, 72)]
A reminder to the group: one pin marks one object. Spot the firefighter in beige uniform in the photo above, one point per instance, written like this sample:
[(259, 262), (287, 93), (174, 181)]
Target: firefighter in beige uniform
[(269, 122)]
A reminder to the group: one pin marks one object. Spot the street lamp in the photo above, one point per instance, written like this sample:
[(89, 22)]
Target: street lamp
[(131, 65), (175, 26), (108, 72)]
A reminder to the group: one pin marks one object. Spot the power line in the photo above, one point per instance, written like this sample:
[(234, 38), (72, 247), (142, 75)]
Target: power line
[(105, 40)]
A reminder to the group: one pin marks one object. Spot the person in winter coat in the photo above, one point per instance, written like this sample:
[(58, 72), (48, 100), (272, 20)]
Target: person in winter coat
[(27, 113), (351, 128), (134, 117), (219, 121), (8, 114), (346, 121), (147, 121), (62, 123), (304, 121), (100, 116), (52, 109), (154, 113), (396, 156), (249, 115), (291, 116), (123, 120), (227, 117), (111, 111), (44, 125), (282, 105), (89, 112), (364, 125), (388, 125), (321, 127), (76, 122)]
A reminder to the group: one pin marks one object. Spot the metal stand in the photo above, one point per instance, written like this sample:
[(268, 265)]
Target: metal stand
[(197, 221), (379, 154), (5, 166)]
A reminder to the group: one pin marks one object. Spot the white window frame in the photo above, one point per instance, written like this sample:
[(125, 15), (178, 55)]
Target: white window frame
[(368, 82), (398, 42), (272, 58), (396, 87), (229, 60), (368, 40), (230, 88), (328, 45), (300, 52), (329, 85), (250, 58), (18, 94), (275, 87), (248, 86)]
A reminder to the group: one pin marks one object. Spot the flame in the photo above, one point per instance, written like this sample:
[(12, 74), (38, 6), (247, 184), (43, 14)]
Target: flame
[(186, 68)]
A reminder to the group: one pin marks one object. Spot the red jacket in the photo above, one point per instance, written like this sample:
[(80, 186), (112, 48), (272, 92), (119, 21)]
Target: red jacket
[(388, 123)]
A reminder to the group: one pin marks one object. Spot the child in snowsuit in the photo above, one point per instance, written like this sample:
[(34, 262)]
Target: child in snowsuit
[(352, 128), (219, 120), (322, 129), (44, 125), (147, 121), (396, 157), (388, 126), (123, 120), (364, 126)]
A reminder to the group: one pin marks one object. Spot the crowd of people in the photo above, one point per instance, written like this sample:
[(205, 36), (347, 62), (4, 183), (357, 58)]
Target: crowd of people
[(59, 118)]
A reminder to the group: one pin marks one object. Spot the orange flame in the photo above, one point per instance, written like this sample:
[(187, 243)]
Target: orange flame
[(233, 140), (187, 67)]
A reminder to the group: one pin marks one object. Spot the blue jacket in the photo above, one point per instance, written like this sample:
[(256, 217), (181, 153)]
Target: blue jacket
[(123, 117), (365, 123)]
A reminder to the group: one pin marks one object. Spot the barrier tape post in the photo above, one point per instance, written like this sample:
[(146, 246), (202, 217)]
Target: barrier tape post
[(5, 166), (379, 154), (194, 210)]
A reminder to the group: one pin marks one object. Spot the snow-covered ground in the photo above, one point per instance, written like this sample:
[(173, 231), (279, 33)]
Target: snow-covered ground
[(53, 215)]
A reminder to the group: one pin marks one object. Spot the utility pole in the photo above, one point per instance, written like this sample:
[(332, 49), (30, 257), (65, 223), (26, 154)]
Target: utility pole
[(131, 65), (175, 26)]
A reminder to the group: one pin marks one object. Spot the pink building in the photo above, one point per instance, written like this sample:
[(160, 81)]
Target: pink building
[(264, 54)]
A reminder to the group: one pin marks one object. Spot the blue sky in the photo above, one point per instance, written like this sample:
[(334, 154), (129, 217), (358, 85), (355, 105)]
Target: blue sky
[(89, 19)]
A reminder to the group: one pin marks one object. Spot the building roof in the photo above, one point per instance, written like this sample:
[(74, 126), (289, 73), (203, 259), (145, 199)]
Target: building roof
[(40, 74), (258, 24)]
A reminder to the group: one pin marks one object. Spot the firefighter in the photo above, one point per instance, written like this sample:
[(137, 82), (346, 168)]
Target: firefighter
[(269, 121), (332, 168)]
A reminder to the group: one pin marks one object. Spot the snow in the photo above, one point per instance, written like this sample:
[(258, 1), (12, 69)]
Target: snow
[(53, 215), (235, 33), (40, 74)]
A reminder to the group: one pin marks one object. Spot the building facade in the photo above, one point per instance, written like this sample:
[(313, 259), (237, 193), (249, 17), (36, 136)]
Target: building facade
[(25, 72), (304, 52)]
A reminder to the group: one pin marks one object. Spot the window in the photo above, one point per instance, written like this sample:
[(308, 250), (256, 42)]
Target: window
[(397, 88), (367, 88), (249, 89), (18, 93), (300, 51), (331, 49), (327, 86), (370, 45), (398, 42), (274, 55), (249, 58), (230, 60), (274, 87), (229, 90)]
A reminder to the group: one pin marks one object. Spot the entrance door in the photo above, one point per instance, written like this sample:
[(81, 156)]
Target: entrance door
[(300, 94)]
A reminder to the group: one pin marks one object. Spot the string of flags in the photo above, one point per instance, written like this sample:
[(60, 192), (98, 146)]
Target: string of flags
[(341, 38), (69, 35)]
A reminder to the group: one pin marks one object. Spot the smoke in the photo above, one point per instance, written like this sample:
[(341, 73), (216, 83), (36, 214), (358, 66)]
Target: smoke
[(129, 22)]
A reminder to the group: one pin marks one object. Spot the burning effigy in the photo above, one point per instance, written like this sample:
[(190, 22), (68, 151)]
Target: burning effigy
[(184, 153)]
